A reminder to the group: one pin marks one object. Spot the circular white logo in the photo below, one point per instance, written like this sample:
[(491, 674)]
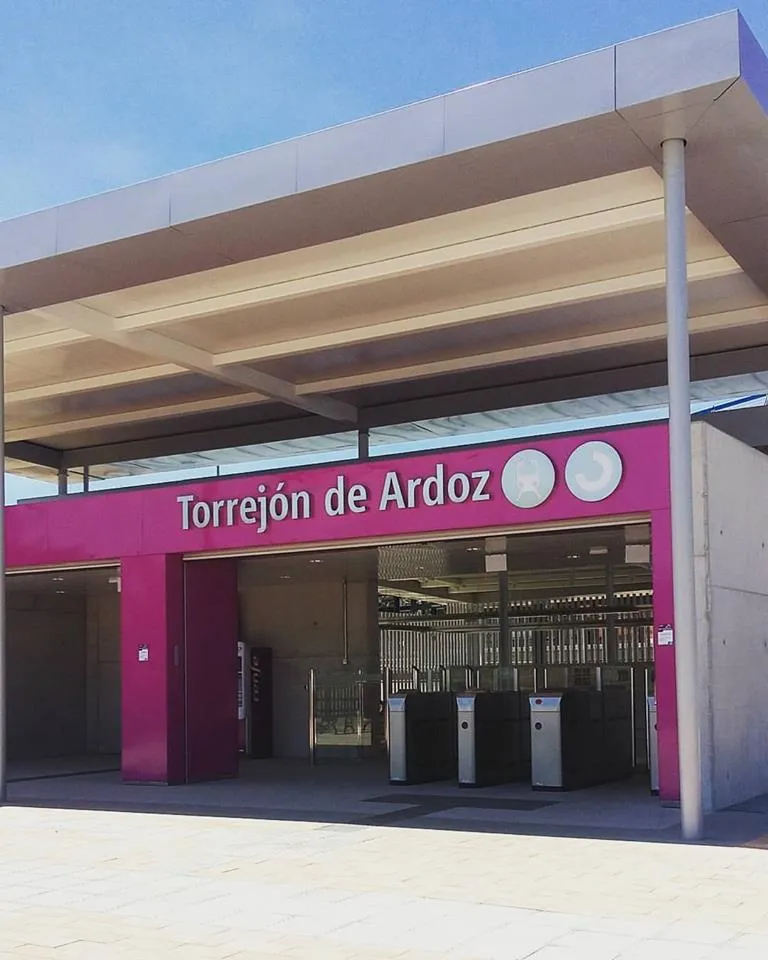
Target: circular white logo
[(593, 471), (528, 478)]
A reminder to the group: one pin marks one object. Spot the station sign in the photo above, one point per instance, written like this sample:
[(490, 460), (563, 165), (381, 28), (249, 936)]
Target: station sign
[(527, 479), (501, 486)]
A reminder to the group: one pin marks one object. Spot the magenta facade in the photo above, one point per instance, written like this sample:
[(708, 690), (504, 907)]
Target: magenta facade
[(179, 621)]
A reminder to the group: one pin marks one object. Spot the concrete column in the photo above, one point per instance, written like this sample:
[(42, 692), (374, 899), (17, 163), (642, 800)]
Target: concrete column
[(63, 482), (681, 489)]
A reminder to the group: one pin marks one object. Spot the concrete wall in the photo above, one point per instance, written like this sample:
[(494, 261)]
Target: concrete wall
[(731, 555), (103, 673), (303, 623), (46, 676)]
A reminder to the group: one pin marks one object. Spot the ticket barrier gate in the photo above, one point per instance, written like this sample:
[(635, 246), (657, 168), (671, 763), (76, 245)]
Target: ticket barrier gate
[(580, 737), (422, 737), (494, 741), (653, 745)]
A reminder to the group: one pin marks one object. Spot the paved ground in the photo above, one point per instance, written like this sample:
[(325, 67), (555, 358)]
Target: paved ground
[(98, 883)]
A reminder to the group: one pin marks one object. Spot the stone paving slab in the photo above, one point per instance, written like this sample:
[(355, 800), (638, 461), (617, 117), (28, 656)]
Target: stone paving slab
[(77, 884)]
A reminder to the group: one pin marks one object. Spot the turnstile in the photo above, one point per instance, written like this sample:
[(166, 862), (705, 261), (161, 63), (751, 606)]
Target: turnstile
[(494, 742), (580, 737), (653, 744), (422, 737)]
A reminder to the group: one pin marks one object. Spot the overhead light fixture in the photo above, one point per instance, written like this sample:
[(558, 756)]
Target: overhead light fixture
[(598, 551), (61, 591), (574, 556), (637, 553), (284, 576), (58, 579), (317, 561), (474, 549)]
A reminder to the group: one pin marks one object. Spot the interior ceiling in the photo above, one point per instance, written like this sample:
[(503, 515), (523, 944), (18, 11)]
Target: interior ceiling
[(454, 570), (565, 278), (80, 582), (555, 563)]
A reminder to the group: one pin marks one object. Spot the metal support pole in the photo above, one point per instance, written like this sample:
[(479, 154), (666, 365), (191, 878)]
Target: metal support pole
[(611, 640), (345, 620), (63, 485), (681, 489), (3, 677), (504, 619), (363, 444), (312, 705), (86, 479)]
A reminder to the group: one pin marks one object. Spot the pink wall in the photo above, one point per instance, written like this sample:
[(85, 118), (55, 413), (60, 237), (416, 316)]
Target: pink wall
[(148, 520), (149, 529), (211, 611), (152, 672), (666, 692)]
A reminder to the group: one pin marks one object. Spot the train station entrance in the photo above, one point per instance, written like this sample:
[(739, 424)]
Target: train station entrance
[(456, 660), (477, 616), (492, 615)]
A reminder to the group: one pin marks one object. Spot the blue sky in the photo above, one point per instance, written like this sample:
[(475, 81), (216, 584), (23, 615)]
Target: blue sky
[(100, 93)]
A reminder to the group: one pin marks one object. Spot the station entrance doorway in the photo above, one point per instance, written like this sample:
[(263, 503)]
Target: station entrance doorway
[(544, 636), (63, 664)]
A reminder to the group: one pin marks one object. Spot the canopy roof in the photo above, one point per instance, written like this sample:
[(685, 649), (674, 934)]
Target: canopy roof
[(498, 246)]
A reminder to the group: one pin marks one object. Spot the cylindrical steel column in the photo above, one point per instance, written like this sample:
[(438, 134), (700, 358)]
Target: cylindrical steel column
[(3, 676), (504, 619), (345, 620), (681, 481), (363, 444)]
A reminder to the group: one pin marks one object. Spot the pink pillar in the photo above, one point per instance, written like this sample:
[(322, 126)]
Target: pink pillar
[(211, 664), (179, 669), (666, 691), (152, 627)]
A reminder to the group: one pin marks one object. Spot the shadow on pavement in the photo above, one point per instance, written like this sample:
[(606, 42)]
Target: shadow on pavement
[(360, 795)]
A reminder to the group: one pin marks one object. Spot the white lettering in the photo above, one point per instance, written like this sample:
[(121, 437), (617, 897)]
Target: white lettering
[(413, 486), (460, 481), (185, 502), (201, 514), (392, 492), (217, 508), (248, 510), (278, 504), (300, 505), (356, 498), (480, 493), (433, 490), (334, 499), (231, 504)]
